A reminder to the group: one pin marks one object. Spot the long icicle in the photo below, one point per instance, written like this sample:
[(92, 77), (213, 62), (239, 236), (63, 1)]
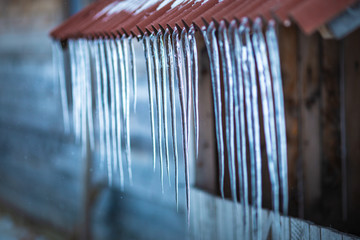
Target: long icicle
[(240, 123), (229, 104), (164, 79), (195, 84), (122, 91), (74, 88), (150, 76), (99, 100), (171, 73), (109, 54), (268, 116), (257, 201), (213, 52), (179, 72), (82, 89), (126, 50), (89, 97), (187, 72), (106, 108), (133, 71), (155, 54), (60, 74), (118, 112), (247, 68), (274, 57)]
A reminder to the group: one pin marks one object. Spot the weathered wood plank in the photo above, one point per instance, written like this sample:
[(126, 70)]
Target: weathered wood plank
[(329, 234), (285, 227), (330, 133), (288, 42), (348, 237), (352, 116), (208, 212), (222, 215), (299, 229), (310, 124), (314, 233)]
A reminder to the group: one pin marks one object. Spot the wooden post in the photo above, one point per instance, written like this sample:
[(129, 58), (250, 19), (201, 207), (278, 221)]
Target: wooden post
[(288, 43), (310, 97), (352, 121)]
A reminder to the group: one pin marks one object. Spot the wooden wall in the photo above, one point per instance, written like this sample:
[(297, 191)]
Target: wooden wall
[(323, 183), (322, 124)]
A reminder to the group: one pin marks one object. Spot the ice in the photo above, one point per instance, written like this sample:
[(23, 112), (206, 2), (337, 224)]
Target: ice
[(150, 77), (229, 104)]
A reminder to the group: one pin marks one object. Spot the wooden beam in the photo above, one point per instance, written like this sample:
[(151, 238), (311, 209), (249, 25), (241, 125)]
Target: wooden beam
[(330, 134), (352, 120), (288, 42), (310, 100)]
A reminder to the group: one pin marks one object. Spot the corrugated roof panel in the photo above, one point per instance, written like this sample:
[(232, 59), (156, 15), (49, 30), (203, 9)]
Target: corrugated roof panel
[(114, 17), (311, 14)]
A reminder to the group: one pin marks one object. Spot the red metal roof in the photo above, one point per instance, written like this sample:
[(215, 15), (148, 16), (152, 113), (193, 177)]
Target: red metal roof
[(116, 17)]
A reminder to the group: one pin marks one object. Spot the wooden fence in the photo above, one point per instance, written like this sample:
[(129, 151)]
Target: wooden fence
[(216, 218)]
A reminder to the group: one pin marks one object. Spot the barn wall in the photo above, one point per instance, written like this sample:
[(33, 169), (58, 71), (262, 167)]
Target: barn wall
[(323, 185)]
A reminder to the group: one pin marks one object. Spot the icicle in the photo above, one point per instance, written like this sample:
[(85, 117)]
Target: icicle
[(99, 99), (155, 56), (111, 77), (273, 49), (268, 116), (118, 112), (213, 52), (163, 80), (253, 129), (195, 84), (187, 73), (82, 89), (58, 60), (150, 77), (170, 64), (56, 55), (236, 44), (133, 71), (106, 108), (89, 97), (74, 88), (229, 104), (178, 64), (126, 91)]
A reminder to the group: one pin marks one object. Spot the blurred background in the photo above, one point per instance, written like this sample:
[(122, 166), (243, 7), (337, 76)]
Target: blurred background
[(42, 174)]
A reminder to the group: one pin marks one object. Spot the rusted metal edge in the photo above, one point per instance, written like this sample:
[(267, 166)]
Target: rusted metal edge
[(94, 21)]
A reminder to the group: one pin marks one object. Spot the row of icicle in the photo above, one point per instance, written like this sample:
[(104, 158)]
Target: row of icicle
[(250, 65), (103, 77), (103, 73)]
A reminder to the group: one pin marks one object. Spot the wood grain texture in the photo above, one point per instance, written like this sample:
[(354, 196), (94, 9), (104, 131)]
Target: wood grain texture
[(299, 230)]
